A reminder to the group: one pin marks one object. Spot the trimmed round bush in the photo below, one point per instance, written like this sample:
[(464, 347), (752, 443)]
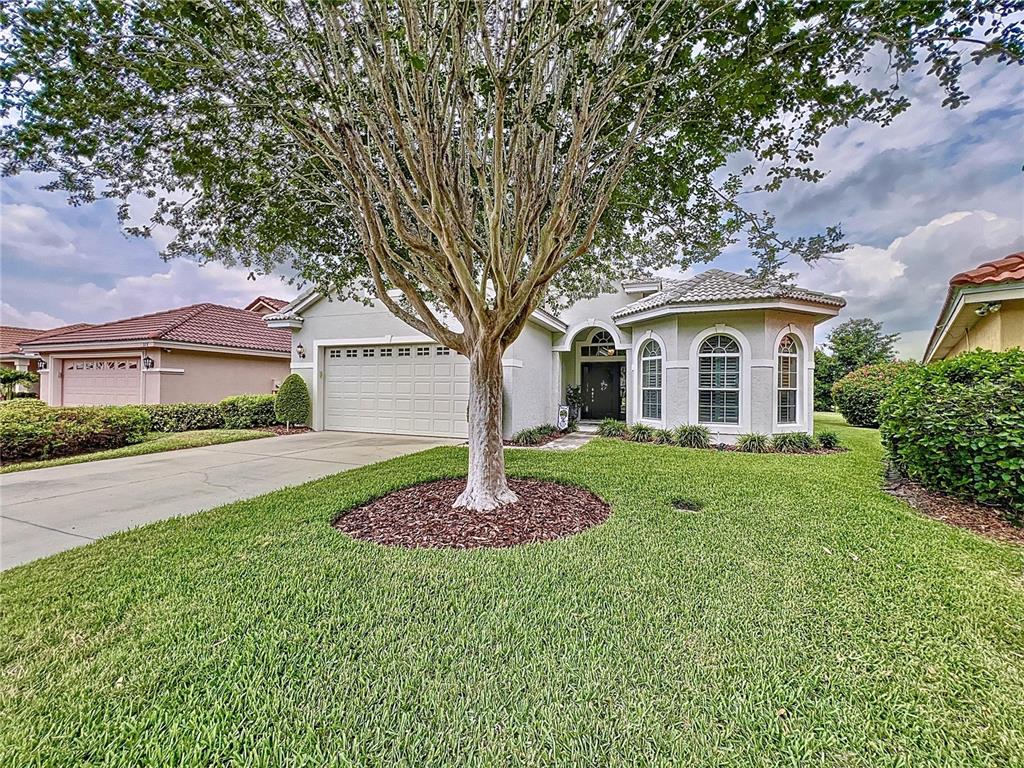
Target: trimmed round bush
[(693, 436), (247, 411), (957, 426), (859, 393), (291, 405), (184, 417)]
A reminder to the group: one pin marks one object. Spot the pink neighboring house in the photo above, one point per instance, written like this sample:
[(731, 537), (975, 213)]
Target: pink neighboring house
[(199, 353)]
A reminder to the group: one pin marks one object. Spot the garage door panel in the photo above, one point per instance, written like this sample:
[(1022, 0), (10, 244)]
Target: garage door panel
[(114, 381), (377, 389)]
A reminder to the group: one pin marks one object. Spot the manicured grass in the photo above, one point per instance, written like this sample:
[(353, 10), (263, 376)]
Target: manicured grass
[(801, 617), (155, 442)]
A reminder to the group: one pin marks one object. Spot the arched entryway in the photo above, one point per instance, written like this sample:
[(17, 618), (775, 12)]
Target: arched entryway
[(599, 369)]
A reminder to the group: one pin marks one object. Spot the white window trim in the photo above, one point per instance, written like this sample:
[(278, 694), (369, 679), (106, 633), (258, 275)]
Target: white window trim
[(638, 406), (805, 384), (745, 392)]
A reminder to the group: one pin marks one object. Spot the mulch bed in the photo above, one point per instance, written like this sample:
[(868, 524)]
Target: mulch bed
[(423, 517), (541, 441), (280, 429), (987, 521)]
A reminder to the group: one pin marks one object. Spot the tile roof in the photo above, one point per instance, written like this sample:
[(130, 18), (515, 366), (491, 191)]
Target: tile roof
[(12, 337), (211, 324), (270, 301), (1006, 270), (715, 286)]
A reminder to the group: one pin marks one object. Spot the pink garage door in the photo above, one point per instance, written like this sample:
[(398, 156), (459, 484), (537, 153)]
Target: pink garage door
[(101, 382)]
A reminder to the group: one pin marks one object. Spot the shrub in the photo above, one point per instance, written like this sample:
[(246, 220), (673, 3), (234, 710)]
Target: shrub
[(754, 442), (794, 442), (182, 417), (640, 433), (664, 437), (957, 426), (612, 428), (29, 432), (859, 393), (248, 411), (827, 439), (291, 404), (528, 436), (693, 436)]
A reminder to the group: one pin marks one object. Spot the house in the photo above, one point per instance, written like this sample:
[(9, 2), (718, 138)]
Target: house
[(718, 349), (198, 353), (13, 356), (984, 308)]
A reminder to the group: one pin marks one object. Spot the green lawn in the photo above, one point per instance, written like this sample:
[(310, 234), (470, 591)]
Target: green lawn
[(802, 617), (155, 442)]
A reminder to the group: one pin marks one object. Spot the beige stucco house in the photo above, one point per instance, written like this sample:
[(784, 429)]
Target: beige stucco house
[(718, 349), (198, 353), (984, 308)]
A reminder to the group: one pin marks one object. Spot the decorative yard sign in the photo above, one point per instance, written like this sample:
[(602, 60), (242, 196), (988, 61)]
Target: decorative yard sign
[(563, 417)]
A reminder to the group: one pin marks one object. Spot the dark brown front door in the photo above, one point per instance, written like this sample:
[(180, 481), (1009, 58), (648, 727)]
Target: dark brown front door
[(600, 389)]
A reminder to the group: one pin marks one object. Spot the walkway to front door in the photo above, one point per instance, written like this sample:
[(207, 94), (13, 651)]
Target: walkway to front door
[(601, 386)]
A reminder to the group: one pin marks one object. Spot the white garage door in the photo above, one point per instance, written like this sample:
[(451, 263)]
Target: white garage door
[(101, 382), (417, 389)]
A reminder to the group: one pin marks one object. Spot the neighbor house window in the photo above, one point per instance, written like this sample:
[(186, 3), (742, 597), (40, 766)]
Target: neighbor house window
[(650, 380), (719, 381), (788, 378)]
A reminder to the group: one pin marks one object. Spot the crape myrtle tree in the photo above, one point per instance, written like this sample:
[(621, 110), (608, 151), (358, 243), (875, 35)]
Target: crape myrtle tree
[(463, 161)]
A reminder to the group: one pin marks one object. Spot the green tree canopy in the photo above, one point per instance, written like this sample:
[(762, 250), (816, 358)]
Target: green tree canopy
[(858, 342)]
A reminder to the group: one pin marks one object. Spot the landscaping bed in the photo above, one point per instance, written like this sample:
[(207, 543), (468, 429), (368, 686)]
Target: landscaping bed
[(991, 522), (423, 516)]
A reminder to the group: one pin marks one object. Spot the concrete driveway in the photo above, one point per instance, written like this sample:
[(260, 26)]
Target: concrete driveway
[(43, 511)]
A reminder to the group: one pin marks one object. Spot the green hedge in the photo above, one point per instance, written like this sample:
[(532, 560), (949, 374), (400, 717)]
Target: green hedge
[(248, 411), (291, 405), (957, 426), (859, 393), (183, 417), (30, 430)]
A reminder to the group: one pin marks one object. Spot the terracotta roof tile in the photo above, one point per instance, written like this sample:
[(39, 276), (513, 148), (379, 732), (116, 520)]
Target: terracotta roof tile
[(210, 324), (270, 301), (1005, 270), (12, 337), (715, 285)]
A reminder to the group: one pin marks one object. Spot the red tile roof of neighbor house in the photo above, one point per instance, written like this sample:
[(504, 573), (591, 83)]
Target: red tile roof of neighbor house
[(12, 337), (208, 324), (1006, 270)]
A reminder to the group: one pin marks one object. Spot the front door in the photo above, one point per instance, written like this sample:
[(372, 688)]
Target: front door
[(600, 389)]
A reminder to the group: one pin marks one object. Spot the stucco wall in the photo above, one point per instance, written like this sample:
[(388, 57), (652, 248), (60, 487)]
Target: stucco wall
[(528, 380), (999, 331), (758, 332), (208, 378)]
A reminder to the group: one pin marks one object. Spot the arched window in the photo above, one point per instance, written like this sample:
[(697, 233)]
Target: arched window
[(650, 380), (601, 345), (719, 381), (789, 378)]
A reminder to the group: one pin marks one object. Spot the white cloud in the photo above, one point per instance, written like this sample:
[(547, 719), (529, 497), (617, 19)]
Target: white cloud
[(32, 233), (904, 284), (33, 319), (182, 283)]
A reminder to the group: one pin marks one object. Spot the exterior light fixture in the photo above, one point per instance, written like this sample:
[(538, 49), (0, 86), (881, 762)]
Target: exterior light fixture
[(989, 308), (982, 310), (147, 362), (41, 364), (301, 352)]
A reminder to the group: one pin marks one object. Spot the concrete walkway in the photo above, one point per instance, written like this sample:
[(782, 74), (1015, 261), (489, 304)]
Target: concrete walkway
[(43, 511)]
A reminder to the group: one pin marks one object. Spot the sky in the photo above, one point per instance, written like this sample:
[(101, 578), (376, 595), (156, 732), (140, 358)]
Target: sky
[(933, 194)]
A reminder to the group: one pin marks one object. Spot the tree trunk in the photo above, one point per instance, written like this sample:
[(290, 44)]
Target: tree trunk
[(486, 486)]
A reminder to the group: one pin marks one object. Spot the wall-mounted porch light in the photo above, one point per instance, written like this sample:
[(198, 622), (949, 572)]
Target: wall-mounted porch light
[(148, 362), (300, 351), (41, 364)]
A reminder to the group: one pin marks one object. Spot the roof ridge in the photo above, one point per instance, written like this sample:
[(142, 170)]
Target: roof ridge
[(198, 309)]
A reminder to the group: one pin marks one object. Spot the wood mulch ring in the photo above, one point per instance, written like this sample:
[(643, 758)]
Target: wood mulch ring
[(422, 516), (987, 521)]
